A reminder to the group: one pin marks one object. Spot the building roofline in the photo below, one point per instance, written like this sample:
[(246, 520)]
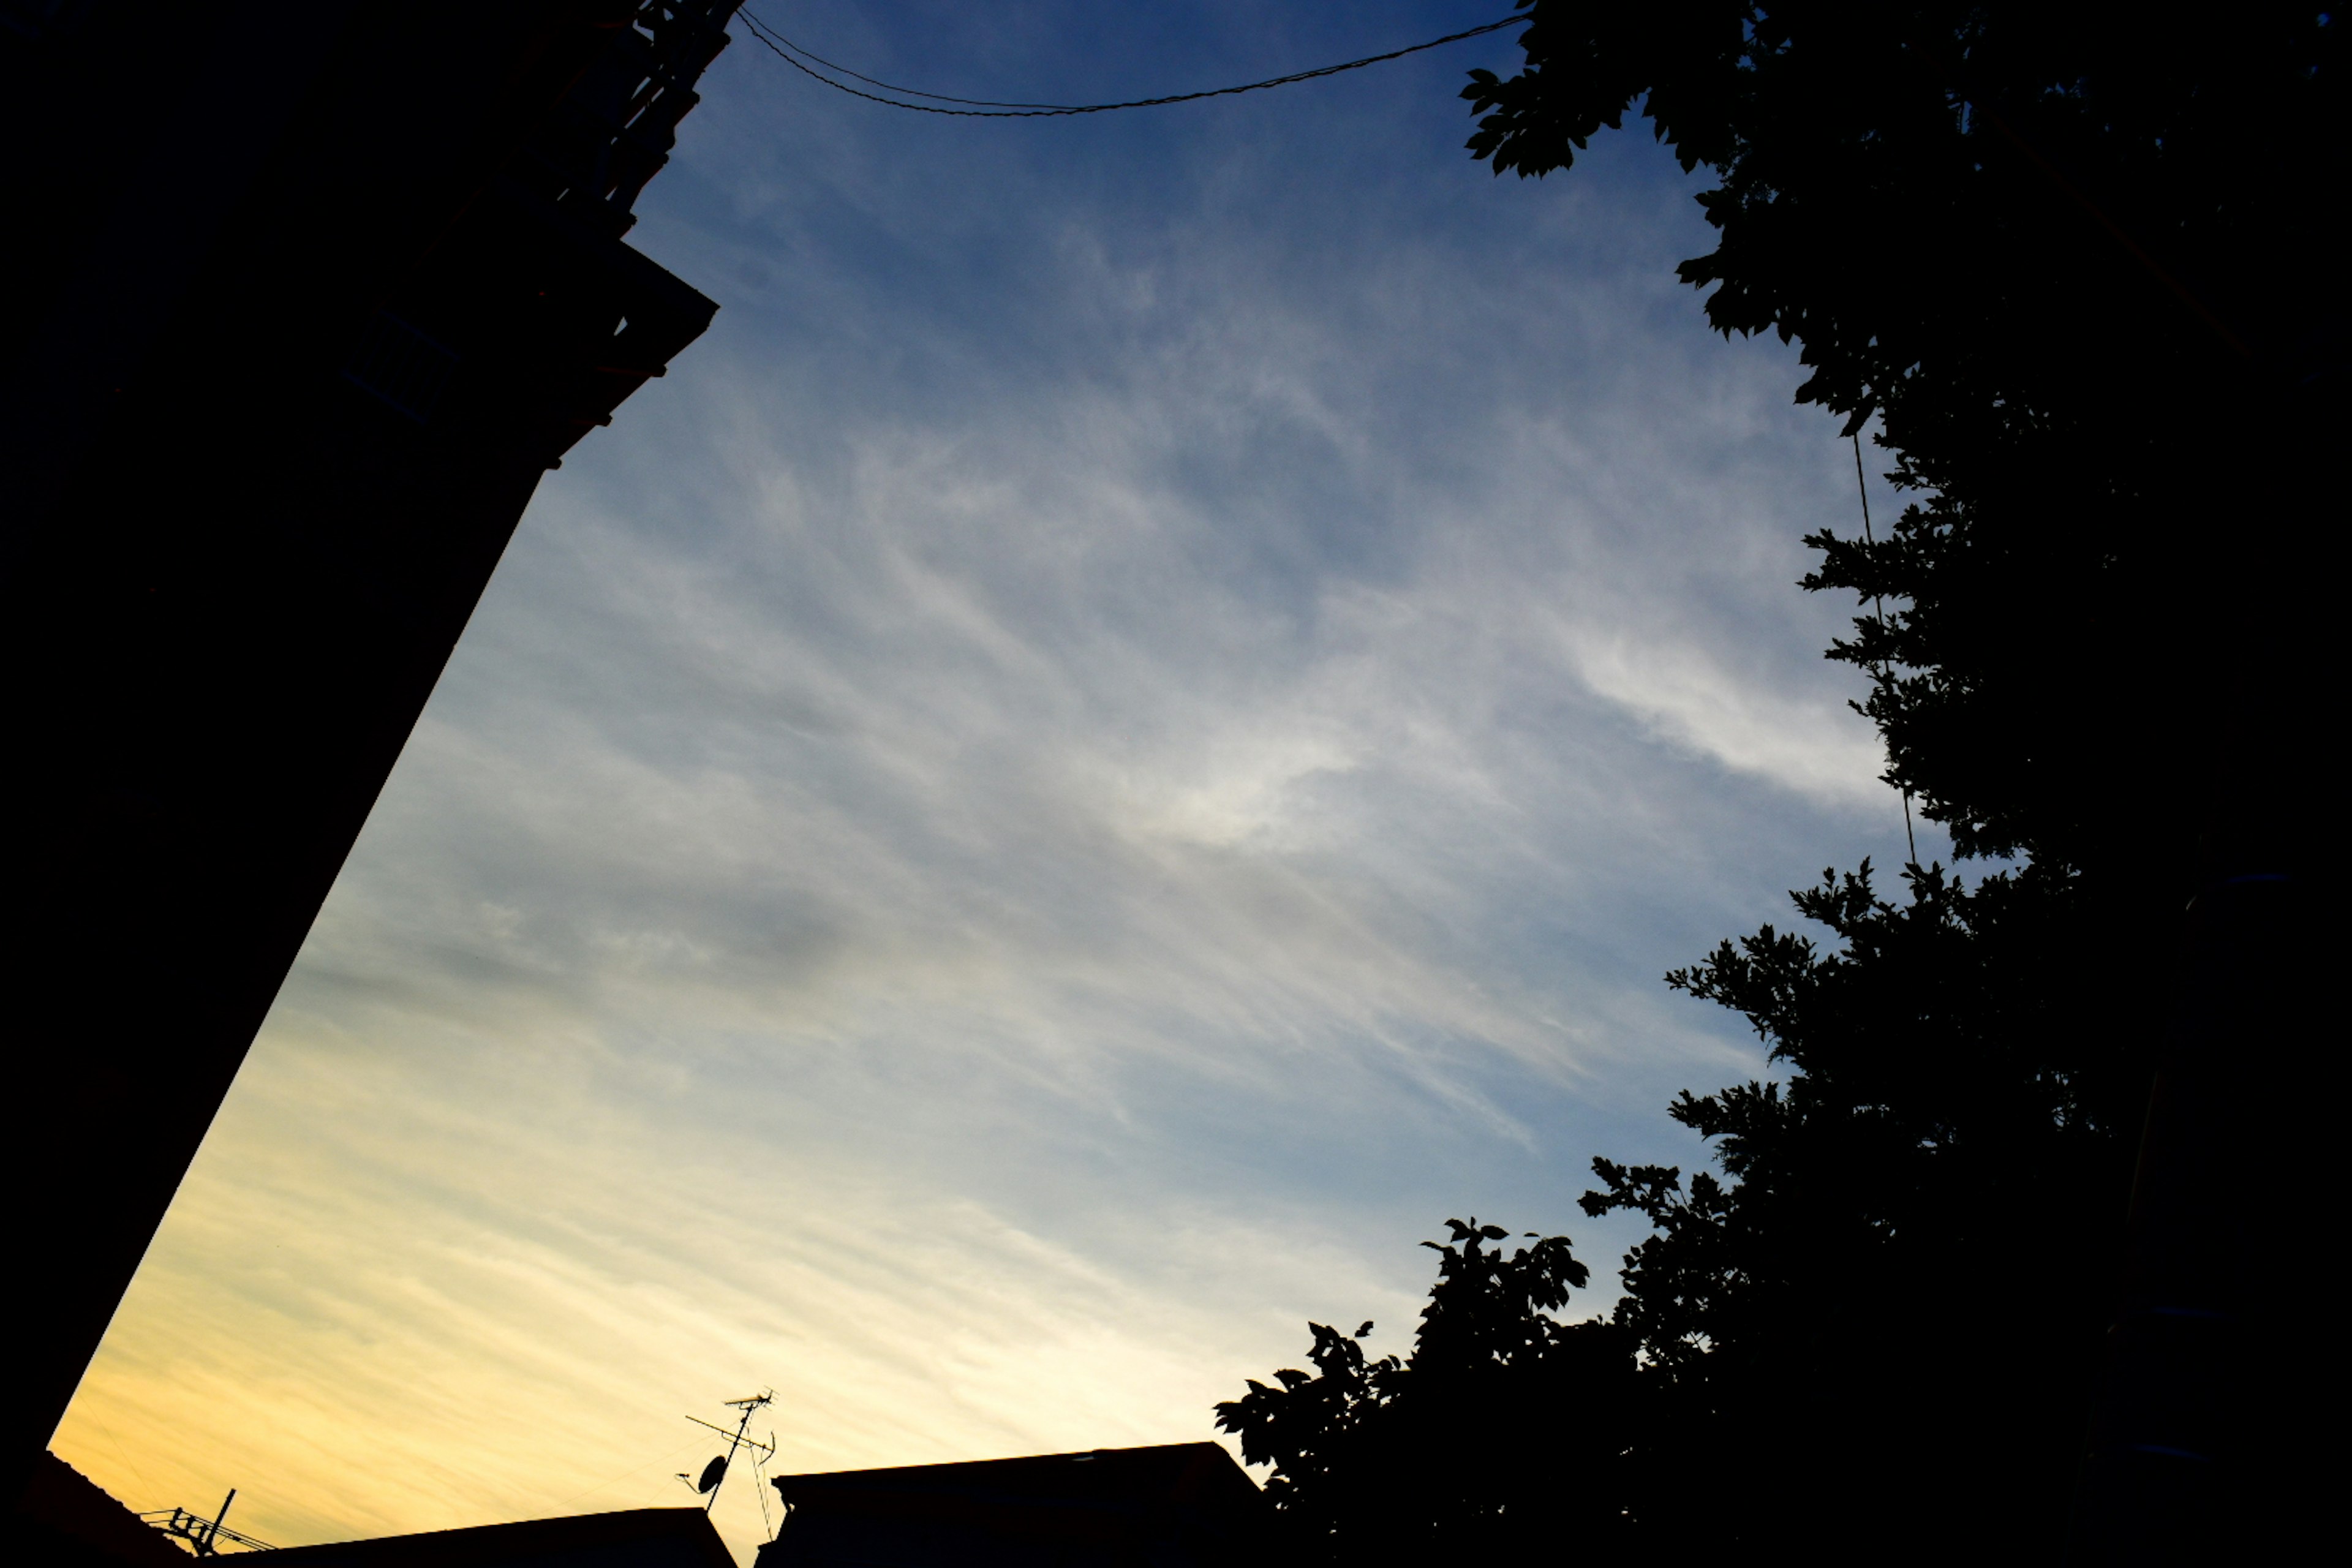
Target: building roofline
[(981, 1469), (488, 1542)]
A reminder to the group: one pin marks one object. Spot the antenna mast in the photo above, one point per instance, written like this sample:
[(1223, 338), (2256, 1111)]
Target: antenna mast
[(739, 1438), (203, 1535)]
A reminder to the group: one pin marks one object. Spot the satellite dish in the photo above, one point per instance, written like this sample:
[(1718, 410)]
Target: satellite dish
[(712, 1474)]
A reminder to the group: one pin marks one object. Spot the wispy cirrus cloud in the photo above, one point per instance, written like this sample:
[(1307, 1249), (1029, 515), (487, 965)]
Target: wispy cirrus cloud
[(1134, 728)]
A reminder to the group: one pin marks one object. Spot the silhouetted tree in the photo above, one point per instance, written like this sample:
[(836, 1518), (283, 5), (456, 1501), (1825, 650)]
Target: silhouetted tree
[(2044, 246), (2054, 251), (1504, 1433), (1880, 1332)]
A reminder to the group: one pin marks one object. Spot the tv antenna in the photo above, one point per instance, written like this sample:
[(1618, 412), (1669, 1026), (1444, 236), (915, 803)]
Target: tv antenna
[(738, 1440), (203, 1535)]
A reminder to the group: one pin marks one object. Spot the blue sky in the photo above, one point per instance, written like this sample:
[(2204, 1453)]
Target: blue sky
[(1132, 729)]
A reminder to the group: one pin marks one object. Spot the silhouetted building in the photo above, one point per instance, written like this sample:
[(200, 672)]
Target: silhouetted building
[(1173, 1506), (304, 295), (634, 1538), (64, 1520)]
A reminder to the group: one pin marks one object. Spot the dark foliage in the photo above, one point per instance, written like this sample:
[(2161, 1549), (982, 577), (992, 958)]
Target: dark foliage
[(1883, 1326), (1460, 1447), (2069, 258), (2070, 255)]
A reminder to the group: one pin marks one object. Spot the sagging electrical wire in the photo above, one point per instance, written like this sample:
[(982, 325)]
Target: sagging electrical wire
[(797, 58), (1885, 678)]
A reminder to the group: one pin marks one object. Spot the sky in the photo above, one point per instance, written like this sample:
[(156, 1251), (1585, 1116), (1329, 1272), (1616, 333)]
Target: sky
[(1132, 729)]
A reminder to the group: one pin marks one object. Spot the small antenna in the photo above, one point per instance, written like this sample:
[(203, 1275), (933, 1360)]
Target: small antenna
[(739, 1438)]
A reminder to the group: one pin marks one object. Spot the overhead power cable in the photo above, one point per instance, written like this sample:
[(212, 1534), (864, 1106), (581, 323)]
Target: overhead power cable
[(800, 59), (1885, 679)]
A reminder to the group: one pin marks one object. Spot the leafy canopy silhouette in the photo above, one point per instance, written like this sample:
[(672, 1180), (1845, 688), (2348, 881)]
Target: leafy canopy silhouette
[(2042, 255), (1457, 1446)]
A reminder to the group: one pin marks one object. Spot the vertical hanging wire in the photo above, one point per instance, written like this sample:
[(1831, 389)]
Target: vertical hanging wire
[(1885, 680), (759, 1488)]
